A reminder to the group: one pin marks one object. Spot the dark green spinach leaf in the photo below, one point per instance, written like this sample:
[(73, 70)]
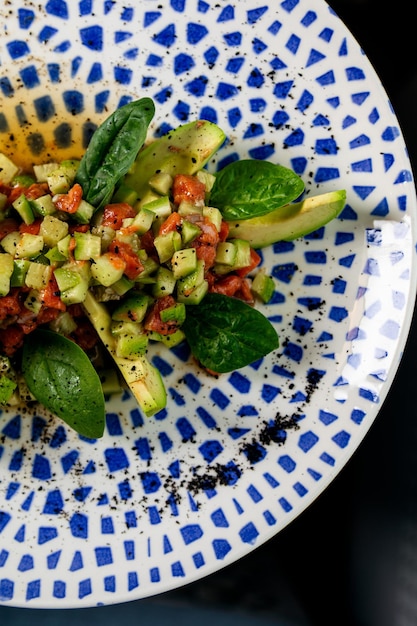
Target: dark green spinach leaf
[(61, 377), (112, 150), (226, 334), (251, 188)]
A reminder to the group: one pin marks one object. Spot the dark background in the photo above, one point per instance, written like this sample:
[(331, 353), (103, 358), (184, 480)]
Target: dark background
[(351, 558)]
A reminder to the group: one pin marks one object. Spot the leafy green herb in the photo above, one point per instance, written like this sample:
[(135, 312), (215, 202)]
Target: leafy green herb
[(250, 188), (113, 149), (61, 377), (226, 334)]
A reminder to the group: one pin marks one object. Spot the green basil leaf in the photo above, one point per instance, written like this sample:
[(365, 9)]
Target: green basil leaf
[(225, 333), (251, 188), (61, 377), (113, 149)]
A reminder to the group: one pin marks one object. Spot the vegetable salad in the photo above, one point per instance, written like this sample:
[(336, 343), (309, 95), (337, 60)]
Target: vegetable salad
[(101, 256)]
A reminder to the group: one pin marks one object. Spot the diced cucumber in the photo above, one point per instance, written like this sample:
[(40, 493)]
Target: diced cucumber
[(106, 234), (29, 246), (167, 244), (43, 170), (87, 246), (143, 221), (161, 182), (175, 313), (194, 296), (148, 197), (189, 231), (263, 285), (61, 179), (171, 340), (33, 301), (184, 262), (58, 181), (43, 205), (8, 169), (226, 253), (84, 212), (54, 256), (53, 230), (10, 241), (73, 282), (6, 272), (122, 286), (20, 267), (165, 283), (64, 323), (161, 206), (24, 208), (214, 215), (186, 284), (23, 180), (185, 209), (107, 269), (133, 308), (207, 179), (242, 258), (150, 266), (38, 275), (66, 278), (63, 246)]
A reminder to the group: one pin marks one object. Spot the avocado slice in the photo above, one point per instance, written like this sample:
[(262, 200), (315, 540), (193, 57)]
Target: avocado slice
[(290, 221), (184, 150), (143, 379)]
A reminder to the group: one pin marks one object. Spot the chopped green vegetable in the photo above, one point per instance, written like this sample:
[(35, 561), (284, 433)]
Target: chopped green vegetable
[(61, 377)]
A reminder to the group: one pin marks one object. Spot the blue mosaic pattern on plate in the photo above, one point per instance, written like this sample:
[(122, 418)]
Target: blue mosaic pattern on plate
[(159, 502)]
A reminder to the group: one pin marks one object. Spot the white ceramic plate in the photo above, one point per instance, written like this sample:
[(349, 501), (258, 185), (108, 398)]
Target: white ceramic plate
[(160, 502)]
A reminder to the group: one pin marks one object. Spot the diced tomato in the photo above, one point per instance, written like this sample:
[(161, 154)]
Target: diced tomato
[(33, 228), (147, 244), (50, 296), (36, 190), (188, 188), (10, 305), (153, 319), (205, 244), (133, 265), (245, 293), (46, 315), (172, 223), (114, 214), (85, 335), (227, 285), (233, 286), (78, 228), (75, 310), (15, 193), (11, 339), (255, 259), (7, 226), (69, 202)]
